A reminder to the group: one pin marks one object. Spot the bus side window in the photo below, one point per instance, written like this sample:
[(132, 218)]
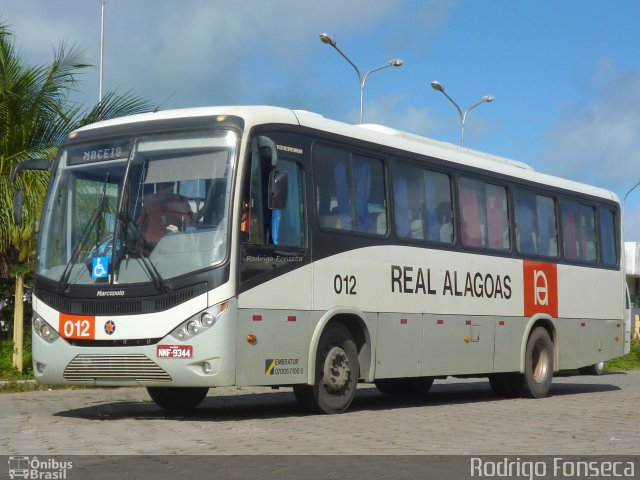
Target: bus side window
[(438, 212), (408, 190), (497, 217), (526, 223), (422, 204), (579, 232), (401, 202), (368, 195), (547, 226), (252, 217), (331, 171), (484, 216), (472, 216), (350, 193), (608, 237), (536, 231), (288, 225)]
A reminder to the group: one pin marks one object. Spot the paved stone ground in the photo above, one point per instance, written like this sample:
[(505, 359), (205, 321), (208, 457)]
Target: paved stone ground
[(583, 415)]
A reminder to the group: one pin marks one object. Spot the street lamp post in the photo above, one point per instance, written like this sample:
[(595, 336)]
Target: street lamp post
[(396, 62), (101, 48), (630, 190), (463, 115)]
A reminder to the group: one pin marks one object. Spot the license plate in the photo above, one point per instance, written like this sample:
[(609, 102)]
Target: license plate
[(174, 351)]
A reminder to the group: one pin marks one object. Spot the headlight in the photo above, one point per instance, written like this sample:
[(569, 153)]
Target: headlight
[(200, 322), (44, 330), (193, 328), (207, 319)]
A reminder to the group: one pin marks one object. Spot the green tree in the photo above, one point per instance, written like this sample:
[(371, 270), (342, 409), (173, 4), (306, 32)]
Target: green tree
[(36, 113)]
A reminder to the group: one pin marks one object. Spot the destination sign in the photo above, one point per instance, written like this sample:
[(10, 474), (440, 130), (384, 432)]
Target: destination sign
[(98, 152)]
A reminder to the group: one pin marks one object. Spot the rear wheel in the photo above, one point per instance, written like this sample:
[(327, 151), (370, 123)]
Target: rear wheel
[(337, 372), (410, 387), (595, 369), (178, 398), (538, 368)]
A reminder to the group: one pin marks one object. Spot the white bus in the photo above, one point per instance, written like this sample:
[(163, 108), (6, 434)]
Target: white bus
[(250, 246)]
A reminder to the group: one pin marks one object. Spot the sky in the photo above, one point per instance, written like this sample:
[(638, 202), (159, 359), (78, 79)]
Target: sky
[(565, 74)]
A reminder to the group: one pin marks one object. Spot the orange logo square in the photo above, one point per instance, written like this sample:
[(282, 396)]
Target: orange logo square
[(540, 288)]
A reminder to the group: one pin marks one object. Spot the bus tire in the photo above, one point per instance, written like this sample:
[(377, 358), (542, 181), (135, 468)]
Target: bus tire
[(416, 387), (538, 366), (178, 398), (337, 372), (595, 369)]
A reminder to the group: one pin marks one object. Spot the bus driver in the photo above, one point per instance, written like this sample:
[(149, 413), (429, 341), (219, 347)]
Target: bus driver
[(162, 212)]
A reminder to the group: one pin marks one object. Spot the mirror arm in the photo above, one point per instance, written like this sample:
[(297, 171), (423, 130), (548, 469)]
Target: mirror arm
[(266, 142), (30, 164)]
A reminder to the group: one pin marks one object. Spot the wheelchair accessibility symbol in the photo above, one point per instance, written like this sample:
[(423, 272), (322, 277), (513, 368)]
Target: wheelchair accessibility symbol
[(100, 267)]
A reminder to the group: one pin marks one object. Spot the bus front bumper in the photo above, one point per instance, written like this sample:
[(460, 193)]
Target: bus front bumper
[(196, 364)]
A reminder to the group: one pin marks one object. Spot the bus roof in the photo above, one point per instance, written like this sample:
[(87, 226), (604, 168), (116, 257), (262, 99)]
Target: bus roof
[(257, 115)]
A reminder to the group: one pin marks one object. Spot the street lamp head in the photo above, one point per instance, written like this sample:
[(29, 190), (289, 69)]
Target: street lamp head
[(437, 86), (396, 62), (324, 38), (488, 98)]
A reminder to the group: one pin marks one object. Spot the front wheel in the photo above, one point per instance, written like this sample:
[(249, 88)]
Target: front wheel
[(337, 372), (176, 398)]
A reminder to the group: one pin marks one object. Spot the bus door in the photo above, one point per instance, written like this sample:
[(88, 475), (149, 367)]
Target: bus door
[(275, 281)]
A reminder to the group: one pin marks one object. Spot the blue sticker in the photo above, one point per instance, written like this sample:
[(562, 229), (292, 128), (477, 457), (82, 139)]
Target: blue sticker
[(100, 267)]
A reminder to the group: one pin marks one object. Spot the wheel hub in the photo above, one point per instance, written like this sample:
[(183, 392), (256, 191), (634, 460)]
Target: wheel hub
[(540, 364), (336, 370)]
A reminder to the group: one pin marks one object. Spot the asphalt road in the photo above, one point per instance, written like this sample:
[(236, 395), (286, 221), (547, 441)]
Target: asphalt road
[(583, 415)]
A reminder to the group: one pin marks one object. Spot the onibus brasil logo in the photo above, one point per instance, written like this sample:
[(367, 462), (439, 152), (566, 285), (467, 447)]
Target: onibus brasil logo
[(35, 468)]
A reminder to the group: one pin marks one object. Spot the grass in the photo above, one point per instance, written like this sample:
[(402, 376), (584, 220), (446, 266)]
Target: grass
[(20, 386), (7, 370), (630, 361), (12, 379)]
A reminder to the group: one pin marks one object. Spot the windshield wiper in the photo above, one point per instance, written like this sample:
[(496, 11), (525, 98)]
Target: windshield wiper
[(153, 272), (123, 225), (96, 216)]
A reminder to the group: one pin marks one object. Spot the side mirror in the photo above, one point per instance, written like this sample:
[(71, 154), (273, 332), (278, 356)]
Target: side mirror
[(29, 164), (17, 207), (278, 187)]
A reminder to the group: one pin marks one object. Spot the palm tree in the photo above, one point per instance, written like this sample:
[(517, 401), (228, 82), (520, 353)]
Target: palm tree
[(36, 113)]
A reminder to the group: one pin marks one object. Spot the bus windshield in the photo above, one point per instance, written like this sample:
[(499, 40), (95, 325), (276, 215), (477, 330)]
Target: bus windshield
[(135, 210)]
